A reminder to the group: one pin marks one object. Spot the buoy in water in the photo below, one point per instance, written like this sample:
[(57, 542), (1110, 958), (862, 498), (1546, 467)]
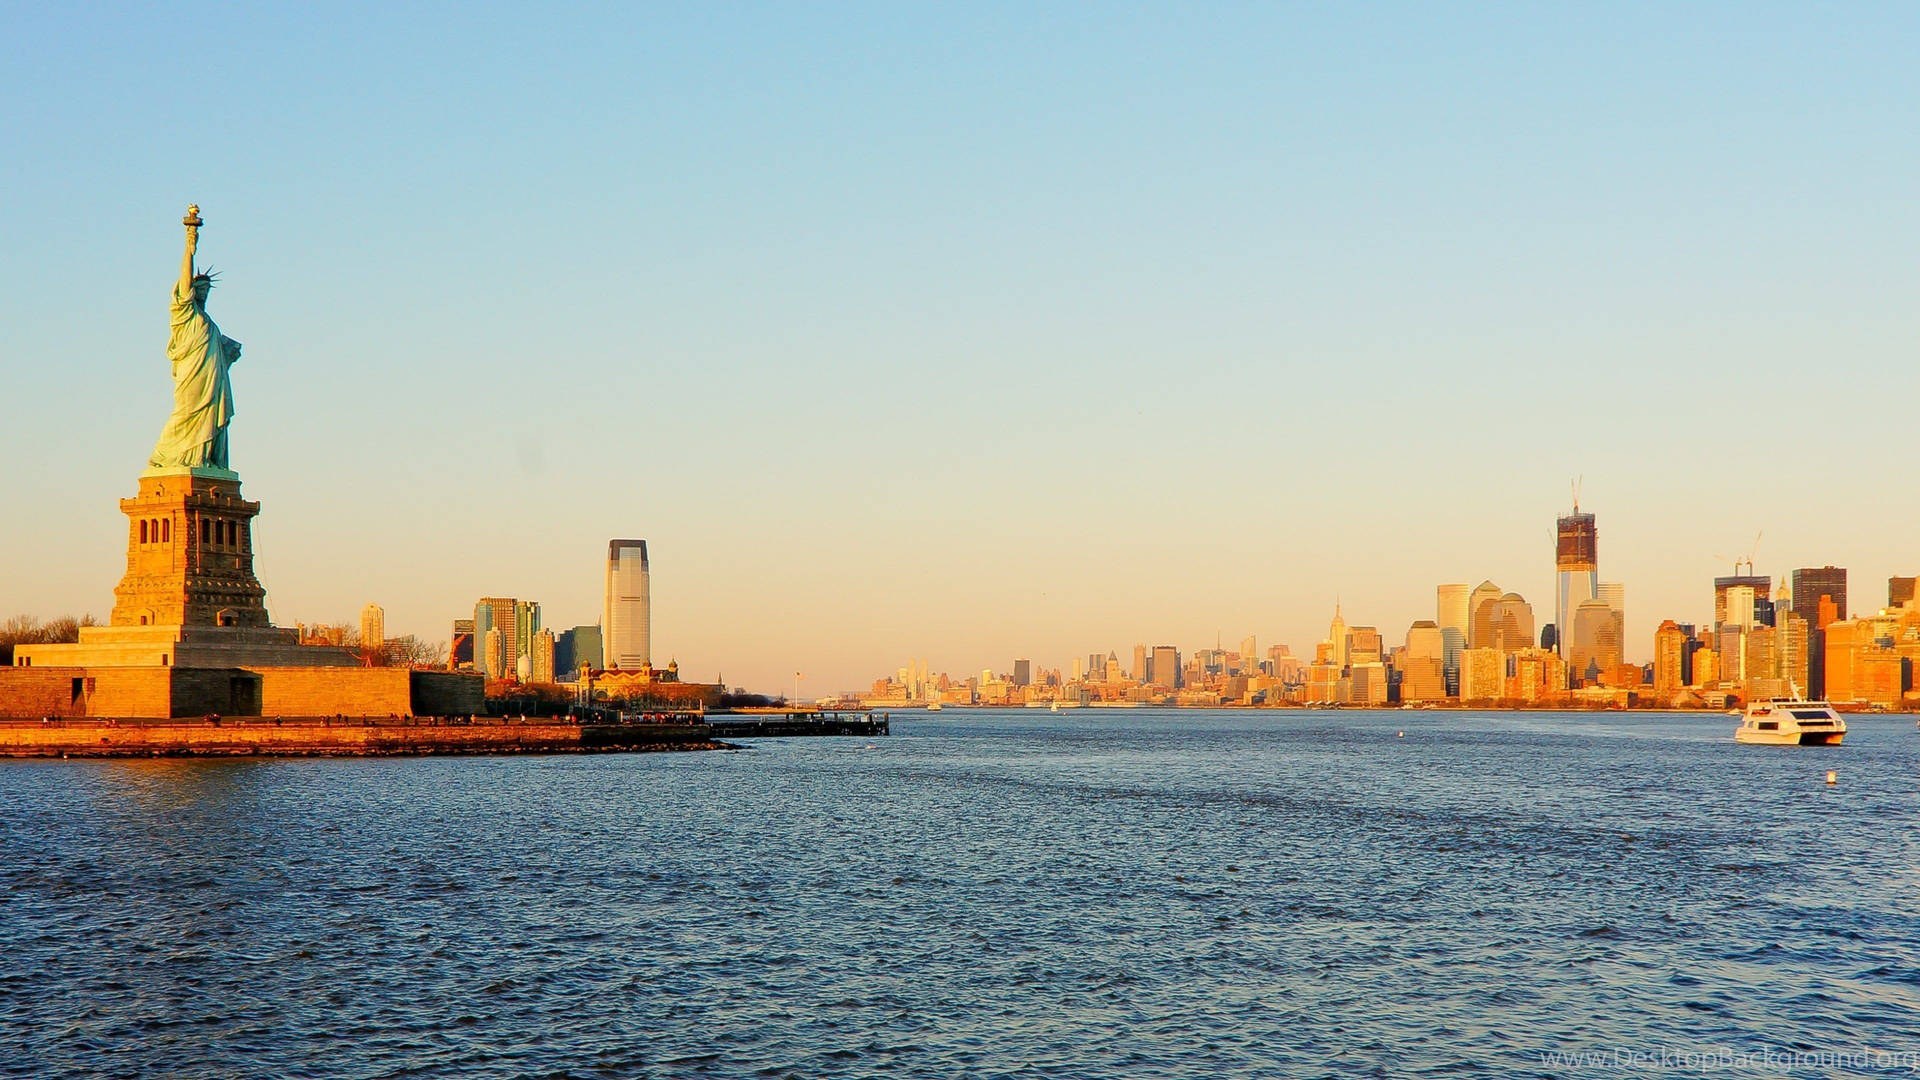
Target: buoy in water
[(1832, 777), (1402, 735)]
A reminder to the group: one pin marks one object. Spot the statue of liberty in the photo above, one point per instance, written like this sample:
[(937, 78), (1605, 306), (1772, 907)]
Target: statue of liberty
[(196, 433)]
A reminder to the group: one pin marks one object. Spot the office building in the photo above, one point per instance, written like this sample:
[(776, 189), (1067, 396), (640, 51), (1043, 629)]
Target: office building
[(627, 613), (1424, 664), (1023, 672), (1165, 667), (1452, 618), (1593, 646), (1900, 591), (1669, 660), (1339, 639), (489, 614), (1480, 615), (1577, 565), (577, 649), (495, 654), (1761, 585), (1810, 586), (543, 657), (1483, 675), (460, 645), (1364, 646), (1820, 596), (373, 628)]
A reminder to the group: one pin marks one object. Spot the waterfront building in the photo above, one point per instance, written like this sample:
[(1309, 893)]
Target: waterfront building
[(627, 608), (1669, 655), (1452, 617), (1322, 683), (373, 628), (1424, 663), (1577, 569), (1140, 663), (1367, 683), (1483, 675), (1538, 676)]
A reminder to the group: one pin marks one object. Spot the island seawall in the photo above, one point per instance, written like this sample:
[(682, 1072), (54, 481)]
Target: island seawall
[(91, 737)]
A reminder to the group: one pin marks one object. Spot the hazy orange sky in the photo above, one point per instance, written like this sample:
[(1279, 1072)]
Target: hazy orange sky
[(977, 334)]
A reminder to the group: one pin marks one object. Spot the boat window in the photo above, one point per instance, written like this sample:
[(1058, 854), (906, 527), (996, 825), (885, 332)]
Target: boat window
[(1768, 725), (1799, 714)]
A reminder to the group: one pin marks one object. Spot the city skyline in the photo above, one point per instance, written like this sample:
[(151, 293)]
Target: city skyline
[(1041, 338)]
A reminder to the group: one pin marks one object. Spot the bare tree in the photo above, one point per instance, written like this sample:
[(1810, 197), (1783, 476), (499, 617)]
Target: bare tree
[(29, 630)]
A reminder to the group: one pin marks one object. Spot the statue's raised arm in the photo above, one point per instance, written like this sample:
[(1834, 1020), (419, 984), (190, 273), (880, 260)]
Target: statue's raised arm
[(196, 434), (192, 222)]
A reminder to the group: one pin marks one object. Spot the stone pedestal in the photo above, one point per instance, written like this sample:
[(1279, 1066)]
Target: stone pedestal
[(189, 598), (190, 554)]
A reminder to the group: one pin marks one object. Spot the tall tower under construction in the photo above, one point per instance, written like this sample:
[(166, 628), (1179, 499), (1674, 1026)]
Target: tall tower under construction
[(1576, 558)]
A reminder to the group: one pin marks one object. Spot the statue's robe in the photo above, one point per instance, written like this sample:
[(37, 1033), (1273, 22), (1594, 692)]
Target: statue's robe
[(196, 433)]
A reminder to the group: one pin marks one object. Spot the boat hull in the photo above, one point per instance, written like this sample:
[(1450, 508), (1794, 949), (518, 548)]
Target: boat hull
[(1789, 738)]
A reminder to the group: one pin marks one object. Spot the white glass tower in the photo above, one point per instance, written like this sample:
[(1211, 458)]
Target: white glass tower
[(628, 614)]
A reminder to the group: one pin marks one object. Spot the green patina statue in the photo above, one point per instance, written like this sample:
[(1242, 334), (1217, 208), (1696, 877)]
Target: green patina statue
[(196, 434)]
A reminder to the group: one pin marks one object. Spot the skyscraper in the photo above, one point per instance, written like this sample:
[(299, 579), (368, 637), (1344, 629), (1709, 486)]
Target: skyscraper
[(1423, 672), (1339, 639), (1453, 621), (526, 623), (1593, 645), (1810, 585), (1820, 597), (373, 627), (1669, 660), (1023, 672), (575, 649), (1479, 628), (1761, 585), (490, 614), (1900, 590), (543, 649), (1166, 667), (1576, 558), (628, 614)]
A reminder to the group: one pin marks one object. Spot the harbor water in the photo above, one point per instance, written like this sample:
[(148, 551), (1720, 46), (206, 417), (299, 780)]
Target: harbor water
[(1091, 893)]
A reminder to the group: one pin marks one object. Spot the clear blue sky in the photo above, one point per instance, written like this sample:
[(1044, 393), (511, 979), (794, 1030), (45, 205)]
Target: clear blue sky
[(977, 331)]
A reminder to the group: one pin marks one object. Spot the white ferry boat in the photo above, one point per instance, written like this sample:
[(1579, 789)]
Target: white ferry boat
[(1791, 723)]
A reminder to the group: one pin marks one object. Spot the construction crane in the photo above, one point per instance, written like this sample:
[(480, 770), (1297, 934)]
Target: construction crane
[(1748, 561)]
